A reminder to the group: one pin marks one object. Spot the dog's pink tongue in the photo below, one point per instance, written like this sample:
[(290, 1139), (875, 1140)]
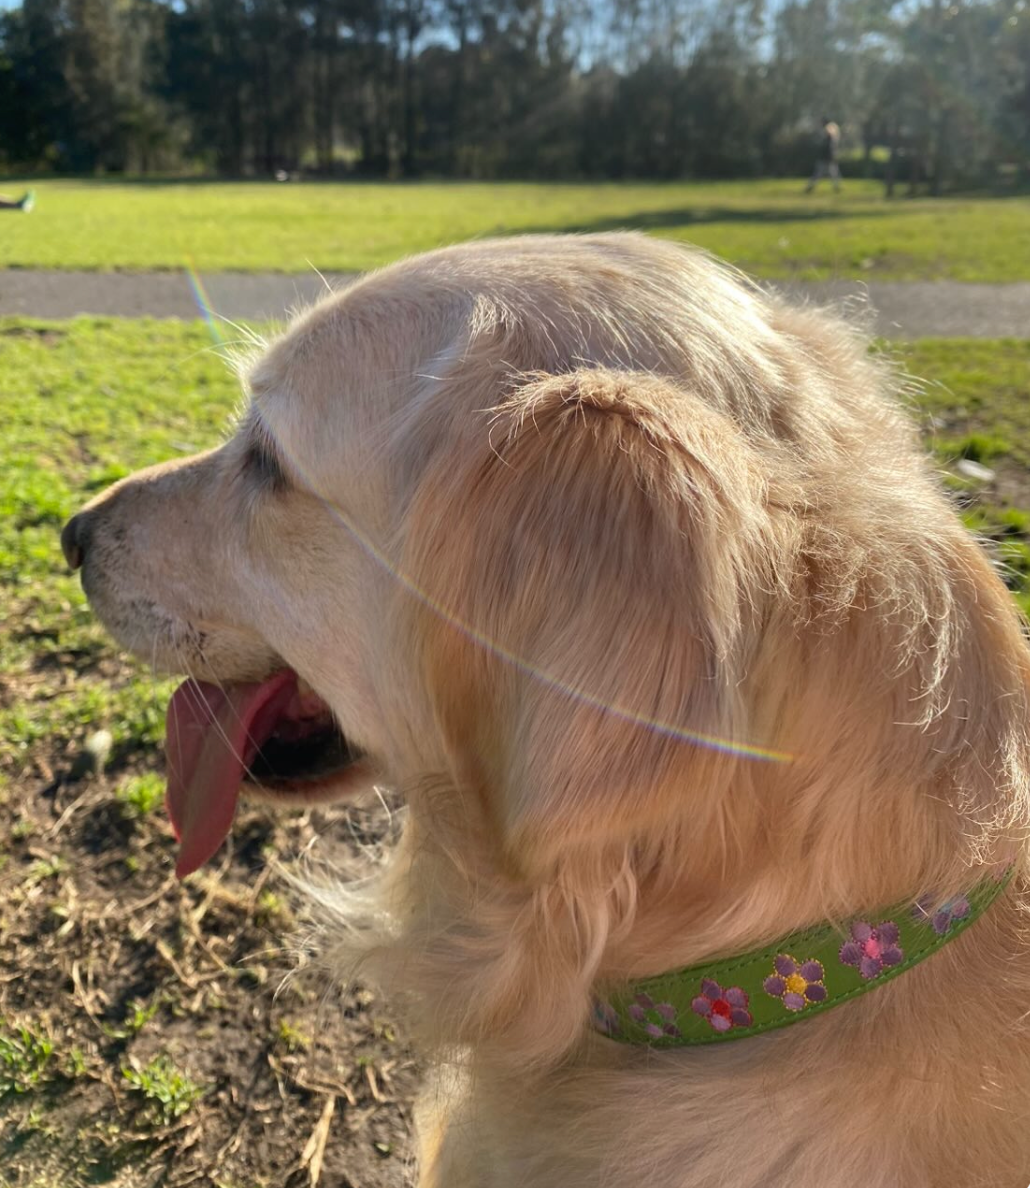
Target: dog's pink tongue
[(213, 734)]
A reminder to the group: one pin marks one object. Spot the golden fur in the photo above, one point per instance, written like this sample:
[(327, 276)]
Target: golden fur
[(554, 502)]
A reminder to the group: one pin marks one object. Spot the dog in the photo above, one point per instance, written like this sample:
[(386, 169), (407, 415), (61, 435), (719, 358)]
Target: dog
[(635, 582)]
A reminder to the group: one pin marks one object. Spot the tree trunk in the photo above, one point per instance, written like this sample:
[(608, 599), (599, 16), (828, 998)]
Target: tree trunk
[(408, 155)]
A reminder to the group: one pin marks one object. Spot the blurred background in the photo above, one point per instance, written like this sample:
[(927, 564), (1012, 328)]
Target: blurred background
[(936, 94)]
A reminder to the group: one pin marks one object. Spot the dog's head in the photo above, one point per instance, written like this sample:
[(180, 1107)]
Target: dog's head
[(637, 566)]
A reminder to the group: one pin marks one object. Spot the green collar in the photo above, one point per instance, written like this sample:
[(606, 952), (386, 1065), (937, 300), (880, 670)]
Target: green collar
[(798, 976)]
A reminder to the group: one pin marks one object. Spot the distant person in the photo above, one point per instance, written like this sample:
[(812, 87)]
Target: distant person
[(25, 203), (826, 162)]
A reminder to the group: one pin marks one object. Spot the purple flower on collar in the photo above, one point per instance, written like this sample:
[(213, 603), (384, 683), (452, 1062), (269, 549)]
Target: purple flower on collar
[(724, 1009), (798, 983), (872, 950), (945, 916), (658, 1019)]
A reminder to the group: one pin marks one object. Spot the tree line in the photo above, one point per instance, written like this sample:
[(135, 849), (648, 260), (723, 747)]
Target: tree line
[(933, 92)]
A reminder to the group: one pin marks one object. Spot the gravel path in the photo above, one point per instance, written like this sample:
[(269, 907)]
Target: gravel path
[(904, 309)]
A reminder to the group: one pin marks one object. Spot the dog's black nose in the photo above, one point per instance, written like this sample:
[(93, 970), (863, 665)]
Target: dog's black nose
[(73, 540)]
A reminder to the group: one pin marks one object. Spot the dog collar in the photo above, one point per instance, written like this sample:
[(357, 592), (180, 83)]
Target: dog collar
[(801, 975)]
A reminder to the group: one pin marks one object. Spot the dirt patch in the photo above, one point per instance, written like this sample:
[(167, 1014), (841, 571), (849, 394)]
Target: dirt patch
[(146, 1033)]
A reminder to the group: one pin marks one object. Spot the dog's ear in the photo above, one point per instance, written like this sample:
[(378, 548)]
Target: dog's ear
[(589, 561)]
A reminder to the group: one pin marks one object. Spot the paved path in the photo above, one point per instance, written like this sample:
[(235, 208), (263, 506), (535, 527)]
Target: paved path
[(922, 309), (905, 309)]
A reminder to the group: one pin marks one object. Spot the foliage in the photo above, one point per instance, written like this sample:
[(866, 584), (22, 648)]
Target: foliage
[(24, 1057), (504, 88), (168, 1093), (142, 794)]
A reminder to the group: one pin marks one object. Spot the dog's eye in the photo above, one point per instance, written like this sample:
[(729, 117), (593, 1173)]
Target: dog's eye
[(260, 462)]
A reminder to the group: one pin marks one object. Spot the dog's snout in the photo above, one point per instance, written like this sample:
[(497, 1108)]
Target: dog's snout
[(73, 540)]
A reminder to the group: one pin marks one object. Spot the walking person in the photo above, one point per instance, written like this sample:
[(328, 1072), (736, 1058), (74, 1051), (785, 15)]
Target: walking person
[(826, 162)]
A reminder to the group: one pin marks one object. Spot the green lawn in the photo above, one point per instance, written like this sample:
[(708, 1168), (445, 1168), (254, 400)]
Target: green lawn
[(768, 228), (81, 404), (978, 393)]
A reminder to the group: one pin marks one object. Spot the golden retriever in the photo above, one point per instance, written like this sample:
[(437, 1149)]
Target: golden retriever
[(634, 581)]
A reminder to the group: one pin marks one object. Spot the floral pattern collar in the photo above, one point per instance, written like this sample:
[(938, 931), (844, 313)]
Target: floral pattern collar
[(799, 976)]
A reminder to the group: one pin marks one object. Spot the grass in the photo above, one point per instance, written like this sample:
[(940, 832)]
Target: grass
[(166, 1091), (767, 227), (978, 393), (85, 403), (974, 405), (24, 1057), (114, 957), (142, 793)]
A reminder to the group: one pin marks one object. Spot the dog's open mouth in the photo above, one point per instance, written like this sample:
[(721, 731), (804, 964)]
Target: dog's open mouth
[(273, 736)]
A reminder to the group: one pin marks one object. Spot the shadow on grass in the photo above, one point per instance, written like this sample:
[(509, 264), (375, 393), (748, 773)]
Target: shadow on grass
[(686, 216)]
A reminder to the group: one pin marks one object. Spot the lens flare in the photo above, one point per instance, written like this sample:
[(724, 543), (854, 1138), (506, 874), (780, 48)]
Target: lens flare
[(470, 631), (495, 648), (203, 301)]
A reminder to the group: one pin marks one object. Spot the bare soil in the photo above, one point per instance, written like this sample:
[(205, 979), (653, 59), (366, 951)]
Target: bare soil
[(113, 962)]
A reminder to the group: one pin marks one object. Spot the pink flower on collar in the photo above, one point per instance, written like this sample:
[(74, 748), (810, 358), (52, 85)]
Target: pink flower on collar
[(872, 950), (724, 1009)]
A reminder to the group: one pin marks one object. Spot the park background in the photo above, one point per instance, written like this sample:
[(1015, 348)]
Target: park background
[(931, 93), (147, 1037), (934, 93)]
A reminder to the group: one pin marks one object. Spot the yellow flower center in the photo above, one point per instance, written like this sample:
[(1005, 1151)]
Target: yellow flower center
[(796, 984)]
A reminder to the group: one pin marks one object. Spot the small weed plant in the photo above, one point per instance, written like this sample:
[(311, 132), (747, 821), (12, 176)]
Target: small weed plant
[(142, 794), (24, 1057), (168, 1093)]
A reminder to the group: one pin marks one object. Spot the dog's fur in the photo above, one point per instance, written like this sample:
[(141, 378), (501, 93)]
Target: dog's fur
[(559, 513)]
